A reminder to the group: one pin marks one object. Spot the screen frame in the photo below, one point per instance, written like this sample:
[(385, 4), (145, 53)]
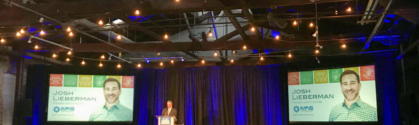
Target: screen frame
[(330, 63), (86, 70)]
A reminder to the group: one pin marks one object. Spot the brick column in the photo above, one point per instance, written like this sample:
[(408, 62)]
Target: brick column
[(4, 66)]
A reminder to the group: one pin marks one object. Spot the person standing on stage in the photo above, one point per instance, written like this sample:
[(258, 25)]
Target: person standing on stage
[(169, 110)]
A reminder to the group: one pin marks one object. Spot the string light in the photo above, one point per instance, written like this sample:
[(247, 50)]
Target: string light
[(261, 58), (210, 34), (68, 59), (349, 9), (203, 61), (311, 24), (54, 55), (289, 54), (138, 65), (83, 63), (215, 54), (36, 47), (42, 32), (344, 46), (252, 29), (100, 22), (17, 34), (336, 12), (22, 31), (277, 37), (317, 51), (69, 52), (182, 60), (70, 34), (158, 53), (148, 61), (172, 61), (177, 0), (137, 12), (161, 63), (166, 36), (100, 64), (295, 22), (233, 52), (232, 61), (119, 37), (119, 65), (102, 57), (2, 40), (68, 29), (244, 47)]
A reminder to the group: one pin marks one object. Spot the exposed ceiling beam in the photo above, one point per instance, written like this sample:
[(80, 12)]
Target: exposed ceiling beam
[(250, 19), (236, 24), (377, 26)]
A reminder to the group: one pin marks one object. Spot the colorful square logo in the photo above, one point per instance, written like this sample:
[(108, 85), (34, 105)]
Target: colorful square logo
[(356, 69), (116, 77), (293, 78), (306, 77), (98, 80), (127, 82), (56, 80), (70, 80), (320, 76), (367, 73), (334, 75), (85, 80)]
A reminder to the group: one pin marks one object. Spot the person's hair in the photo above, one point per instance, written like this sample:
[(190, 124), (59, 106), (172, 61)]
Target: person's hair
[(348, 72), (169, 101), (111, 80)]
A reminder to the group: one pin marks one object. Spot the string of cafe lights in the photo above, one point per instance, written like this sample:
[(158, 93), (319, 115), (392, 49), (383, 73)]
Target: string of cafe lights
[(21, 32)]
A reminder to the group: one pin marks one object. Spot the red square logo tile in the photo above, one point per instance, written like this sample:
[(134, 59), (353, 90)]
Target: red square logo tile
[(293, 78), (367, 73), (56, 80), (127, 81)]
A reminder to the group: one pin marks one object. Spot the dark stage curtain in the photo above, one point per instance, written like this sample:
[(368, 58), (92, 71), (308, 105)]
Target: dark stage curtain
[(215, 95)]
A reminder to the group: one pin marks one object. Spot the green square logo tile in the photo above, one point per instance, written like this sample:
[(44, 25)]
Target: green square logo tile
[(70, 80), (320, 76), (98, 80), (306, 77), (334, 75)]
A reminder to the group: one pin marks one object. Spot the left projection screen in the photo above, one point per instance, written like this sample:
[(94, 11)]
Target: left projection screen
[(74, 97)]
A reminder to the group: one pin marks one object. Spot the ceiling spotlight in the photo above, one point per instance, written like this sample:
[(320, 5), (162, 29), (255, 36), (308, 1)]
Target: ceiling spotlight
[(102, 57), (344, 46), (232, 61), (138, 65), (119, 54), (2, 40), (349, 9), (166, 36), (311, 24), (83, 63), (69, 52), (17, 34), (261, 58), (177, 0), (158, 53), (137, 12), (100, 22), (172, 61), (161, 63), (215, 54), (148, 61), (294, 23), (119, 37), (118, 66), (252, 29), (336, 12), (317, 51), (22, 31), (71, 34), (54, 55), (36, 47), (30, 40), (68, 29), (42, 32), (233, 52), (203, 61), (244, 47), (277, 37), (67, 60), (100, 64)]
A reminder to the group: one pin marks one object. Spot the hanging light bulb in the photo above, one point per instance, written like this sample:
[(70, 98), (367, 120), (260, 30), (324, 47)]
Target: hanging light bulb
[(166, 36), (17, 34), (119, 65), (317, 51), (71, 34), (232, 61), (2, 40), (54, 55), (289, 54), (349, 9), (67, 60), (177, 0), (158, 53), (69, 52), (233, 52), (244, 47), (102, 57), (83, 63), (138, 65), (210, 34), (182, 60), (137, 12), (100, 64), (295, 22), (311, 24), (100, 22), (161, 63), (203, 61), (261, 58), (36, 47), (344, 46), (42, 32), (68, 29), (277, 37), (253, 29), (336, 12), (119, 37), (215, 54), (172, 61), (22, 31)]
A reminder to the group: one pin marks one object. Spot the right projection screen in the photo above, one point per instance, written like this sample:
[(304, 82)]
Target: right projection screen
[(333, 95)]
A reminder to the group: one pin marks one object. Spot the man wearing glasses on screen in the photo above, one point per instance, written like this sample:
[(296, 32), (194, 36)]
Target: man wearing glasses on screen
[(112, 110), (353, 108)]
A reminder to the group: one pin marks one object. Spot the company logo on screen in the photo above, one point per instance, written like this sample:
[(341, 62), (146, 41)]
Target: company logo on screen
[(303, 109), (63, 109)]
